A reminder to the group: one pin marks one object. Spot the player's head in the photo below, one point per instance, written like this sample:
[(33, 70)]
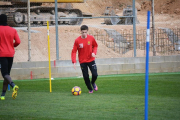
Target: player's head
[(84, 30), (84, 27), (3, 19)]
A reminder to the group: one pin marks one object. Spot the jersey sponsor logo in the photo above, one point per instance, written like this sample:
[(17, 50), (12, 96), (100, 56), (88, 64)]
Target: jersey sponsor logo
[(88, 42), (81, 45)]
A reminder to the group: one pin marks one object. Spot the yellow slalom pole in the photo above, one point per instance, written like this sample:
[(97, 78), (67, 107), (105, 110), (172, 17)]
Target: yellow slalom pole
[(49, 57)]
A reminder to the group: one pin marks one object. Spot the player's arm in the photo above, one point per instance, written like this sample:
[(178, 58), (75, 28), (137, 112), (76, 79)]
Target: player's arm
[(95, 46), (17, 39), (73, 54)]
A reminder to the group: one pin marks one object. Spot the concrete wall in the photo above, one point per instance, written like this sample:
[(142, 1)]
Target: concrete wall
[(106, 66)]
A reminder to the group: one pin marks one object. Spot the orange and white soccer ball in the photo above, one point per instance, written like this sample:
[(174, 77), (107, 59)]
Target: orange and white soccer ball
[(76, 90)]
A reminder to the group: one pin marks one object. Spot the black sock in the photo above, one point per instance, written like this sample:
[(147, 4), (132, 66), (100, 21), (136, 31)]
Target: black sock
[(12, 84), (3, 93)]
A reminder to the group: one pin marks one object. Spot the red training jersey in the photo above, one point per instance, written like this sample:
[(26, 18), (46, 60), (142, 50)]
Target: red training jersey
[(85, 48), (8, 40)]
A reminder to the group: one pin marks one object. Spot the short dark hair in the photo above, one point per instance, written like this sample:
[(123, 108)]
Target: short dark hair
[(84, 27), (3, 19)]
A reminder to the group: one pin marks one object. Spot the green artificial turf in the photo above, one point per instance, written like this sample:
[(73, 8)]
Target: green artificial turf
[(120, 97)]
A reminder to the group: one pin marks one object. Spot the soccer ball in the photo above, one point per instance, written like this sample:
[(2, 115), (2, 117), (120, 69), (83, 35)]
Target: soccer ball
[(76, 90)]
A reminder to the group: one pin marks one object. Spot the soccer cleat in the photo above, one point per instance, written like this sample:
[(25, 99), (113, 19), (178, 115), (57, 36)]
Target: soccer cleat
[(90, 91), (2, 98), (15, 89), (95, 87)]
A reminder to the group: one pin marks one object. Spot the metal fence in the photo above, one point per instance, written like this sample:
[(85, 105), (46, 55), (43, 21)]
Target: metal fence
[(167, 41), (119, 41)]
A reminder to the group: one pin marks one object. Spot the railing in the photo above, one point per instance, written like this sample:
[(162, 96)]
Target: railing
[(167, 41)]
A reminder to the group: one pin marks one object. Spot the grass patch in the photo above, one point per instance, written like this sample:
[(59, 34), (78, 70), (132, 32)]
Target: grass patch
[(119, 97)]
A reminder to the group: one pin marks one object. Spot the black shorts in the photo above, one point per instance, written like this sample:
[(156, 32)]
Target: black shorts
[(6, 65)]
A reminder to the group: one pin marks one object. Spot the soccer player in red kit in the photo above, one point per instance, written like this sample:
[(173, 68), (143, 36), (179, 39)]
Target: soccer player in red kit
[(8, 40), (86, 46)]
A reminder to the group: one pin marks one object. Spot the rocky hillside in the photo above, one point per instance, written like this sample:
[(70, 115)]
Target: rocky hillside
[(161, 6), (98, 6)]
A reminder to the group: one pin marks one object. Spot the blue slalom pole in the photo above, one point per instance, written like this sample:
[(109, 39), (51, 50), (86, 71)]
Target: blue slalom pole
[(147, 65), (8, 87)]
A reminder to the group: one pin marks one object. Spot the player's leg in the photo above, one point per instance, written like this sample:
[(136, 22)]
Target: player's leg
[(92, 66), (5, 86), (6, 64), (84, 69), (15, 87), (5, 83)]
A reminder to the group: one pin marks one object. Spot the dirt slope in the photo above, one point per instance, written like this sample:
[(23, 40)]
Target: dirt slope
[(98, 6), (161, 6), (167, 14)]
